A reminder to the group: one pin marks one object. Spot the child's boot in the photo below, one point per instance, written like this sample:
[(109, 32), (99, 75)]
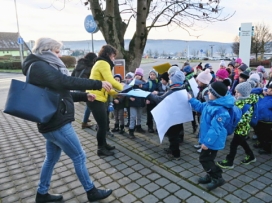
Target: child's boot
[(131, 134), (139, 129), (122, 129), (216, 182), (116, 128)]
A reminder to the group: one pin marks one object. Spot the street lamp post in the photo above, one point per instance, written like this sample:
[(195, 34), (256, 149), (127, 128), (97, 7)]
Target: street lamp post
[(19, 37), (211, 50)]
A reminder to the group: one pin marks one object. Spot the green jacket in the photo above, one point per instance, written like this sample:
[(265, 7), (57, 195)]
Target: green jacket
[(243, 126)]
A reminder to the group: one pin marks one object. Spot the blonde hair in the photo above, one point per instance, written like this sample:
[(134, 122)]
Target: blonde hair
[(46, 44)]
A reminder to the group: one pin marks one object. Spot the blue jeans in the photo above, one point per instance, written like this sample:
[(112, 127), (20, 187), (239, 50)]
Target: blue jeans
[(64, 139), (87, 114)]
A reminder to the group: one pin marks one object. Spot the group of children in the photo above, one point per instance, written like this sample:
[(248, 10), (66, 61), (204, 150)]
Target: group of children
[(218, 92)]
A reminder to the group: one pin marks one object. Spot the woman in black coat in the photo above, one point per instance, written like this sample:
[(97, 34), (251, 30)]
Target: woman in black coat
[(47, 70)]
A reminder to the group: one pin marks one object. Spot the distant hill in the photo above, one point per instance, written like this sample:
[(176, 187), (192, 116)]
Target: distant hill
[(167, 46)]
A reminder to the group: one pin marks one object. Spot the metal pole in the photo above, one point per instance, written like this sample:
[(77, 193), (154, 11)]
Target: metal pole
[(92, 44), (20, 45)]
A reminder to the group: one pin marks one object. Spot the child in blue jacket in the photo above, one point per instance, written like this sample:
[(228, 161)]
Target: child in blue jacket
[(212, 136)]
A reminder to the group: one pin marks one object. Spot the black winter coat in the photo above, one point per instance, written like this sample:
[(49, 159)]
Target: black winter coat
[(44, 75), (83, 65)]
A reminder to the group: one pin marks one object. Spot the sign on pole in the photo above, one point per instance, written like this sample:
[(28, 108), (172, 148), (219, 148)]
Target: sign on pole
[(245, 42), (90, 24), (20, 40)]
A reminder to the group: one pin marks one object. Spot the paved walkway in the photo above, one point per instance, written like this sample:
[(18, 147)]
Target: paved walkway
[(139, 171)]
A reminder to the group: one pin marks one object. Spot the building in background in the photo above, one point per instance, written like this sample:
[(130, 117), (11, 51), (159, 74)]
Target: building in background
[(9, 45)]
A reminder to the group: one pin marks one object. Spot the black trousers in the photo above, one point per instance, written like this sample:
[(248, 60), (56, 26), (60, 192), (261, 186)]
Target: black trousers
[(173, 134), (149, 121), (206, 158), (264, 133), (235, 142), (99, 110)]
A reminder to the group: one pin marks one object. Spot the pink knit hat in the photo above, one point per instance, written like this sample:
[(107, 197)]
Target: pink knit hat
[(238, 60), (222, 74), (205, 76), (139, 71)]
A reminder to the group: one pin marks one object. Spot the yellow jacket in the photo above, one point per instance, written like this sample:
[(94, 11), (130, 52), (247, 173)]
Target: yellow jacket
[(102, 71)]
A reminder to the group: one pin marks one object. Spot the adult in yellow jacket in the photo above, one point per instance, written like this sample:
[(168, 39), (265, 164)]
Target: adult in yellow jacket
[(102, 70)]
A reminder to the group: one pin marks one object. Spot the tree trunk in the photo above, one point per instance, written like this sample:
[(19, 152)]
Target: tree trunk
[(113, 29)]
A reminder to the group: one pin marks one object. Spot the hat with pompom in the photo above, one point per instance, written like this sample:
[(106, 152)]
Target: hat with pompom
[(205, 77), (222, 63)]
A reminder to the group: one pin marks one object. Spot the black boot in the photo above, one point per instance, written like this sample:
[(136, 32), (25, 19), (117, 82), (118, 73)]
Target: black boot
[(127, 125), (138, 128), (122, 129), (102, 151), (116, 128), (204, 180), (150, 129), (215, 182), (97, 194), (109, 147), (48, 198), (131, 134)]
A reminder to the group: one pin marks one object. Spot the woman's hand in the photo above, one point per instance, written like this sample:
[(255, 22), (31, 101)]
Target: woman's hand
[(204, 147), (91, 97), (147, 102), (155, 92), (116, 101), (132, 99), (106, 85)]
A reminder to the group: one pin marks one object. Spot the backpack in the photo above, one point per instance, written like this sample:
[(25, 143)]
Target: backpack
[(235, 116)]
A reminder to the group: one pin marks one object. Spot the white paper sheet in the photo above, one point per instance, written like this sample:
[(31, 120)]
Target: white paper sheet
[(194, 86), (136, 93), (174, 109)]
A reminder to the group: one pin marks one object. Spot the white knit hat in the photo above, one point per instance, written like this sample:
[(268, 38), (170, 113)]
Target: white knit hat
[(255, 77), (222, 63), (205, 76)]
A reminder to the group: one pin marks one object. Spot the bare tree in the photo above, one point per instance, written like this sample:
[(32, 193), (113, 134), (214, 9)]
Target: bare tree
[(261, 40), (114, 16), (235, 45), (222, 50)]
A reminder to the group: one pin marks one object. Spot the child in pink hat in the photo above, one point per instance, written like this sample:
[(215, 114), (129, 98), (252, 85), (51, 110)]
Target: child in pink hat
[(222, 74)]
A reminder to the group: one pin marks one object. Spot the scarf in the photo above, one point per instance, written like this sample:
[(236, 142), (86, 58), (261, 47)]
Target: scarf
[(53, 61)]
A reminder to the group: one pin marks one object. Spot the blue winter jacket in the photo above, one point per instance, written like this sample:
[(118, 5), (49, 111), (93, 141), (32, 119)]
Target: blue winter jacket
[(214, 118), (264, 105)]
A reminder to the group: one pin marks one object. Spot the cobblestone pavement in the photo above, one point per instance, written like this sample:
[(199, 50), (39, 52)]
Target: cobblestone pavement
[(138, 172)]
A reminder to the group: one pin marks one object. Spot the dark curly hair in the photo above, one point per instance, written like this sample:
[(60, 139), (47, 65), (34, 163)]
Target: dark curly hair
[(106, 51), (90, 57)]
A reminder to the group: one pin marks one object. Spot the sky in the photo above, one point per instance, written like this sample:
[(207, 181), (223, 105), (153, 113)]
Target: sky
[(38, 18)]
